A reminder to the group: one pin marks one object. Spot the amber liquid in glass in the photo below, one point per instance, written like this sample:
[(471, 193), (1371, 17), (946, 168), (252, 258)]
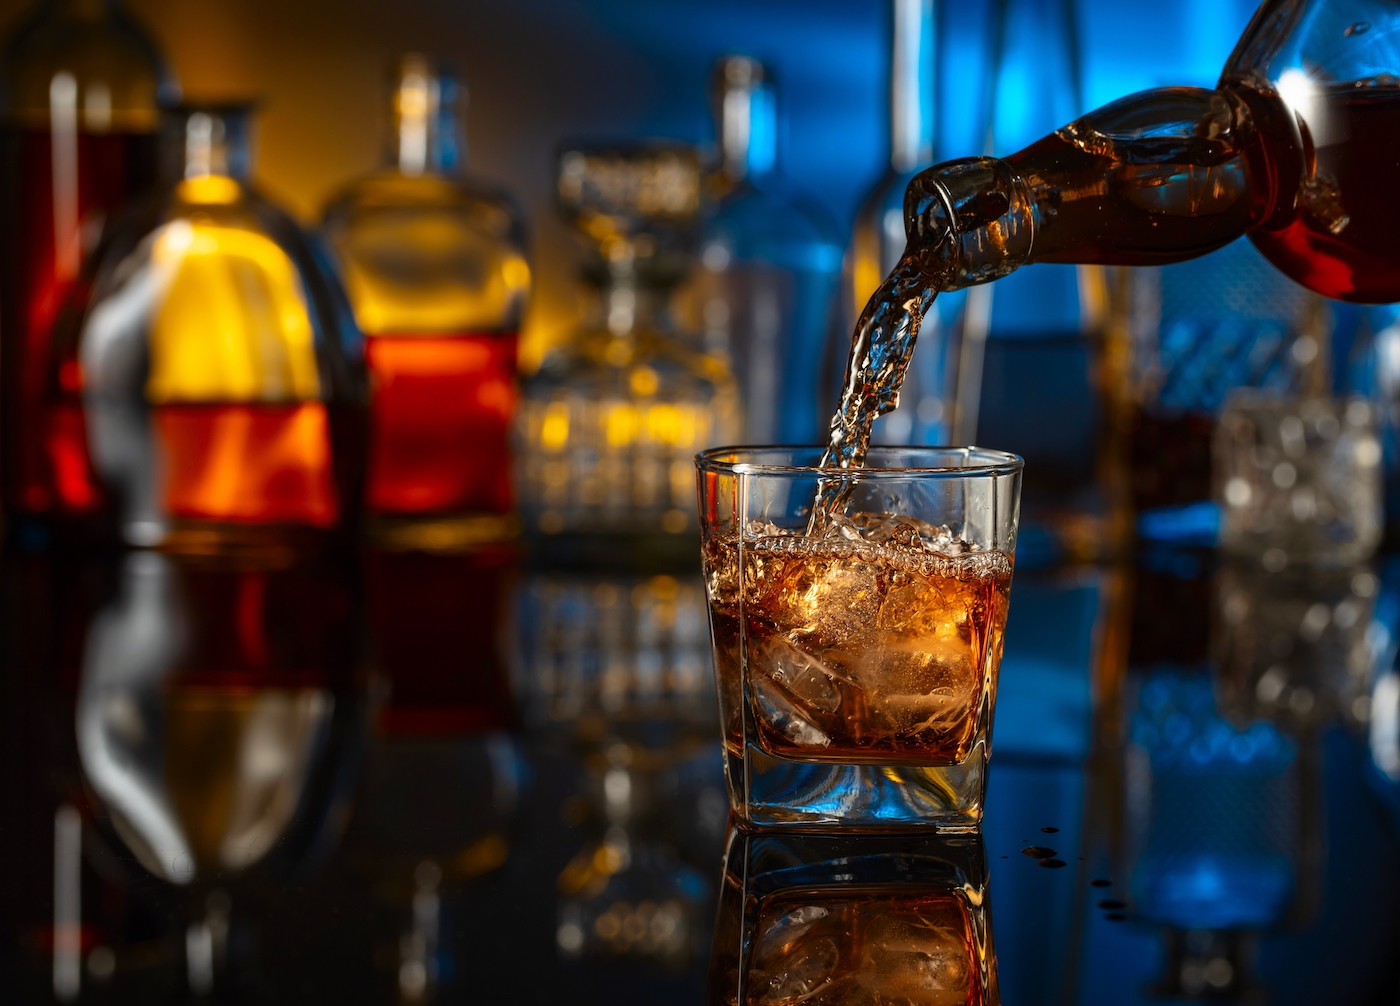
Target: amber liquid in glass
[(858, 652), (864, 946)]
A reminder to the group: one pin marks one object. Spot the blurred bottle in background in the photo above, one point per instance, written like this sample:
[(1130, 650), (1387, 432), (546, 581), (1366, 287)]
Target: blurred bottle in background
[(878, 239), (611, 421), (81, 86), (434, 265), (940, 83), (1032, 377), (769, 268), (1199, 331), (210, 395)]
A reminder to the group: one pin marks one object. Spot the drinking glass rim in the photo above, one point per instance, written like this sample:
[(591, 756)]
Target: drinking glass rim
[(998, 463)]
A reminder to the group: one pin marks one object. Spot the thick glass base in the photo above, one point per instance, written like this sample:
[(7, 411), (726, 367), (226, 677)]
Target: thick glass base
[(770, 792)]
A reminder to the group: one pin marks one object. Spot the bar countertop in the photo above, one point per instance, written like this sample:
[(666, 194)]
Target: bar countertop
[(465, 779)]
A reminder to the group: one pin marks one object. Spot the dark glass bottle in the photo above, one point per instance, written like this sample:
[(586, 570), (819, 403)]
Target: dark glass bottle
[(81, 86), (209, 397), (434, 265), (1293, 147)]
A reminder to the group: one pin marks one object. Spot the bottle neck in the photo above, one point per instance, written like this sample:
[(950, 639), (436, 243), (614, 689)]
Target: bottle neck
[(911, 85), (216, 144), (1157, 177), (426, 133), (746, 118)]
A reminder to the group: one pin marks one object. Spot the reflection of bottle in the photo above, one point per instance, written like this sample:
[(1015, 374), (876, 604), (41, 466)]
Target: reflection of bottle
[(433, 265), (611, 421), (1220, 791), (212, 394), (210, 701), (437, 622), (835, 920), (768, 268), (81, 88)]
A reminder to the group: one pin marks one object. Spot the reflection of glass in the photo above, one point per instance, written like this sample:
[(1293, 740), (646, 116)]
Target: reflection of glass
[(210, 398), (210, 702), (82, 84), (434, 266), (1295, 646), (768, 268), (857, 666), (841, 922), (610, 422)]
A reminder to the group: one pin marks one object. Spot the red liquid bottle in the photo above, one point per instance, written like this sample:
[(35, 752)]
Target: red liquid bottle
[(82, 89), (434, 265)]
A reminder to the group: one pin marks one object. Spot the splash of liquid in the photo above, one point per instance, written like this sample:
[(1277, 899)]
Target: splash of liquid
[(881, 348)]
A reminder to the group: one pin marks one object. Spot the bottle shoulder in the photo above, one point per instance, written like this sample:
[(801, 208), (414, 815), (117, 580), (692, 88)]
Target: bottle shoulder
[(392, 195), (112, 62), (772, 224), (424, 254)]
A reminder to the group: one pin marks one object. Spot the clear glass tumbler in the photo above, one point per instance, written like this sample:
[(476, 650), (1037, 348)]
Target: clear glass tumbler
[(857, 654)]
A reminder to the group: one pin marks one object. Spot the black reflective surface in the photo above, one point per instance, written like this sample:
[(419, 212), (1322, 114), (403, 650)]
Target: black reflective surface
[(463, 779)]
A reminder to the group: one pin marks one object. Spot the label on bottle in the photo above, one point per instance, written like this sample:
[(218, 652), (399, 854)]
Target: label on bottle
[(441, 417), (248, 462)]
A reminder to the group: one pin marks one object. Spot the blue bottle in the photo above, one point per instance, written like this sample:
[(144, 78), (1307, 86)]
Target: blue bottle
[(768, 271)]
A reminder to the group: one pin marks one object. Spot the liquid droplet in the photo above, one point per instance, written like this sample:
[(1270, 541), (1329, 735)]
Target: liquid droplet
[(1050, 831), (1038, 852), (1116, 917), (1111, 905), (1051, 864), (1360, 28), (1100, 882)]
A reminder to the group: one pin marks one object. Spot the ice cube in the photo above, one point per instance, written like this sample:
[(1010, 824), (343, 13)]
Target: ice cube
[(783, 932), (802, 676), (775, 709), (795, 976), (916, 958), (940, 711)]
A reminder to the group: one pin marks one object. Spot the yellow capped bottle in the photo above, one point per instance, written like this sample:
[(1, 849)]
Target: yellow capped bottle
[(612, 419), (210, 392), (434, 265)]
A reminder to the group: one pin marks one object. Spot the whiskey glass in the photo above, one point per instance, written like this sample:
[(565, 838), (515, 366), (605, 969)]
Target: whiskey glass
[(857, 665)]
